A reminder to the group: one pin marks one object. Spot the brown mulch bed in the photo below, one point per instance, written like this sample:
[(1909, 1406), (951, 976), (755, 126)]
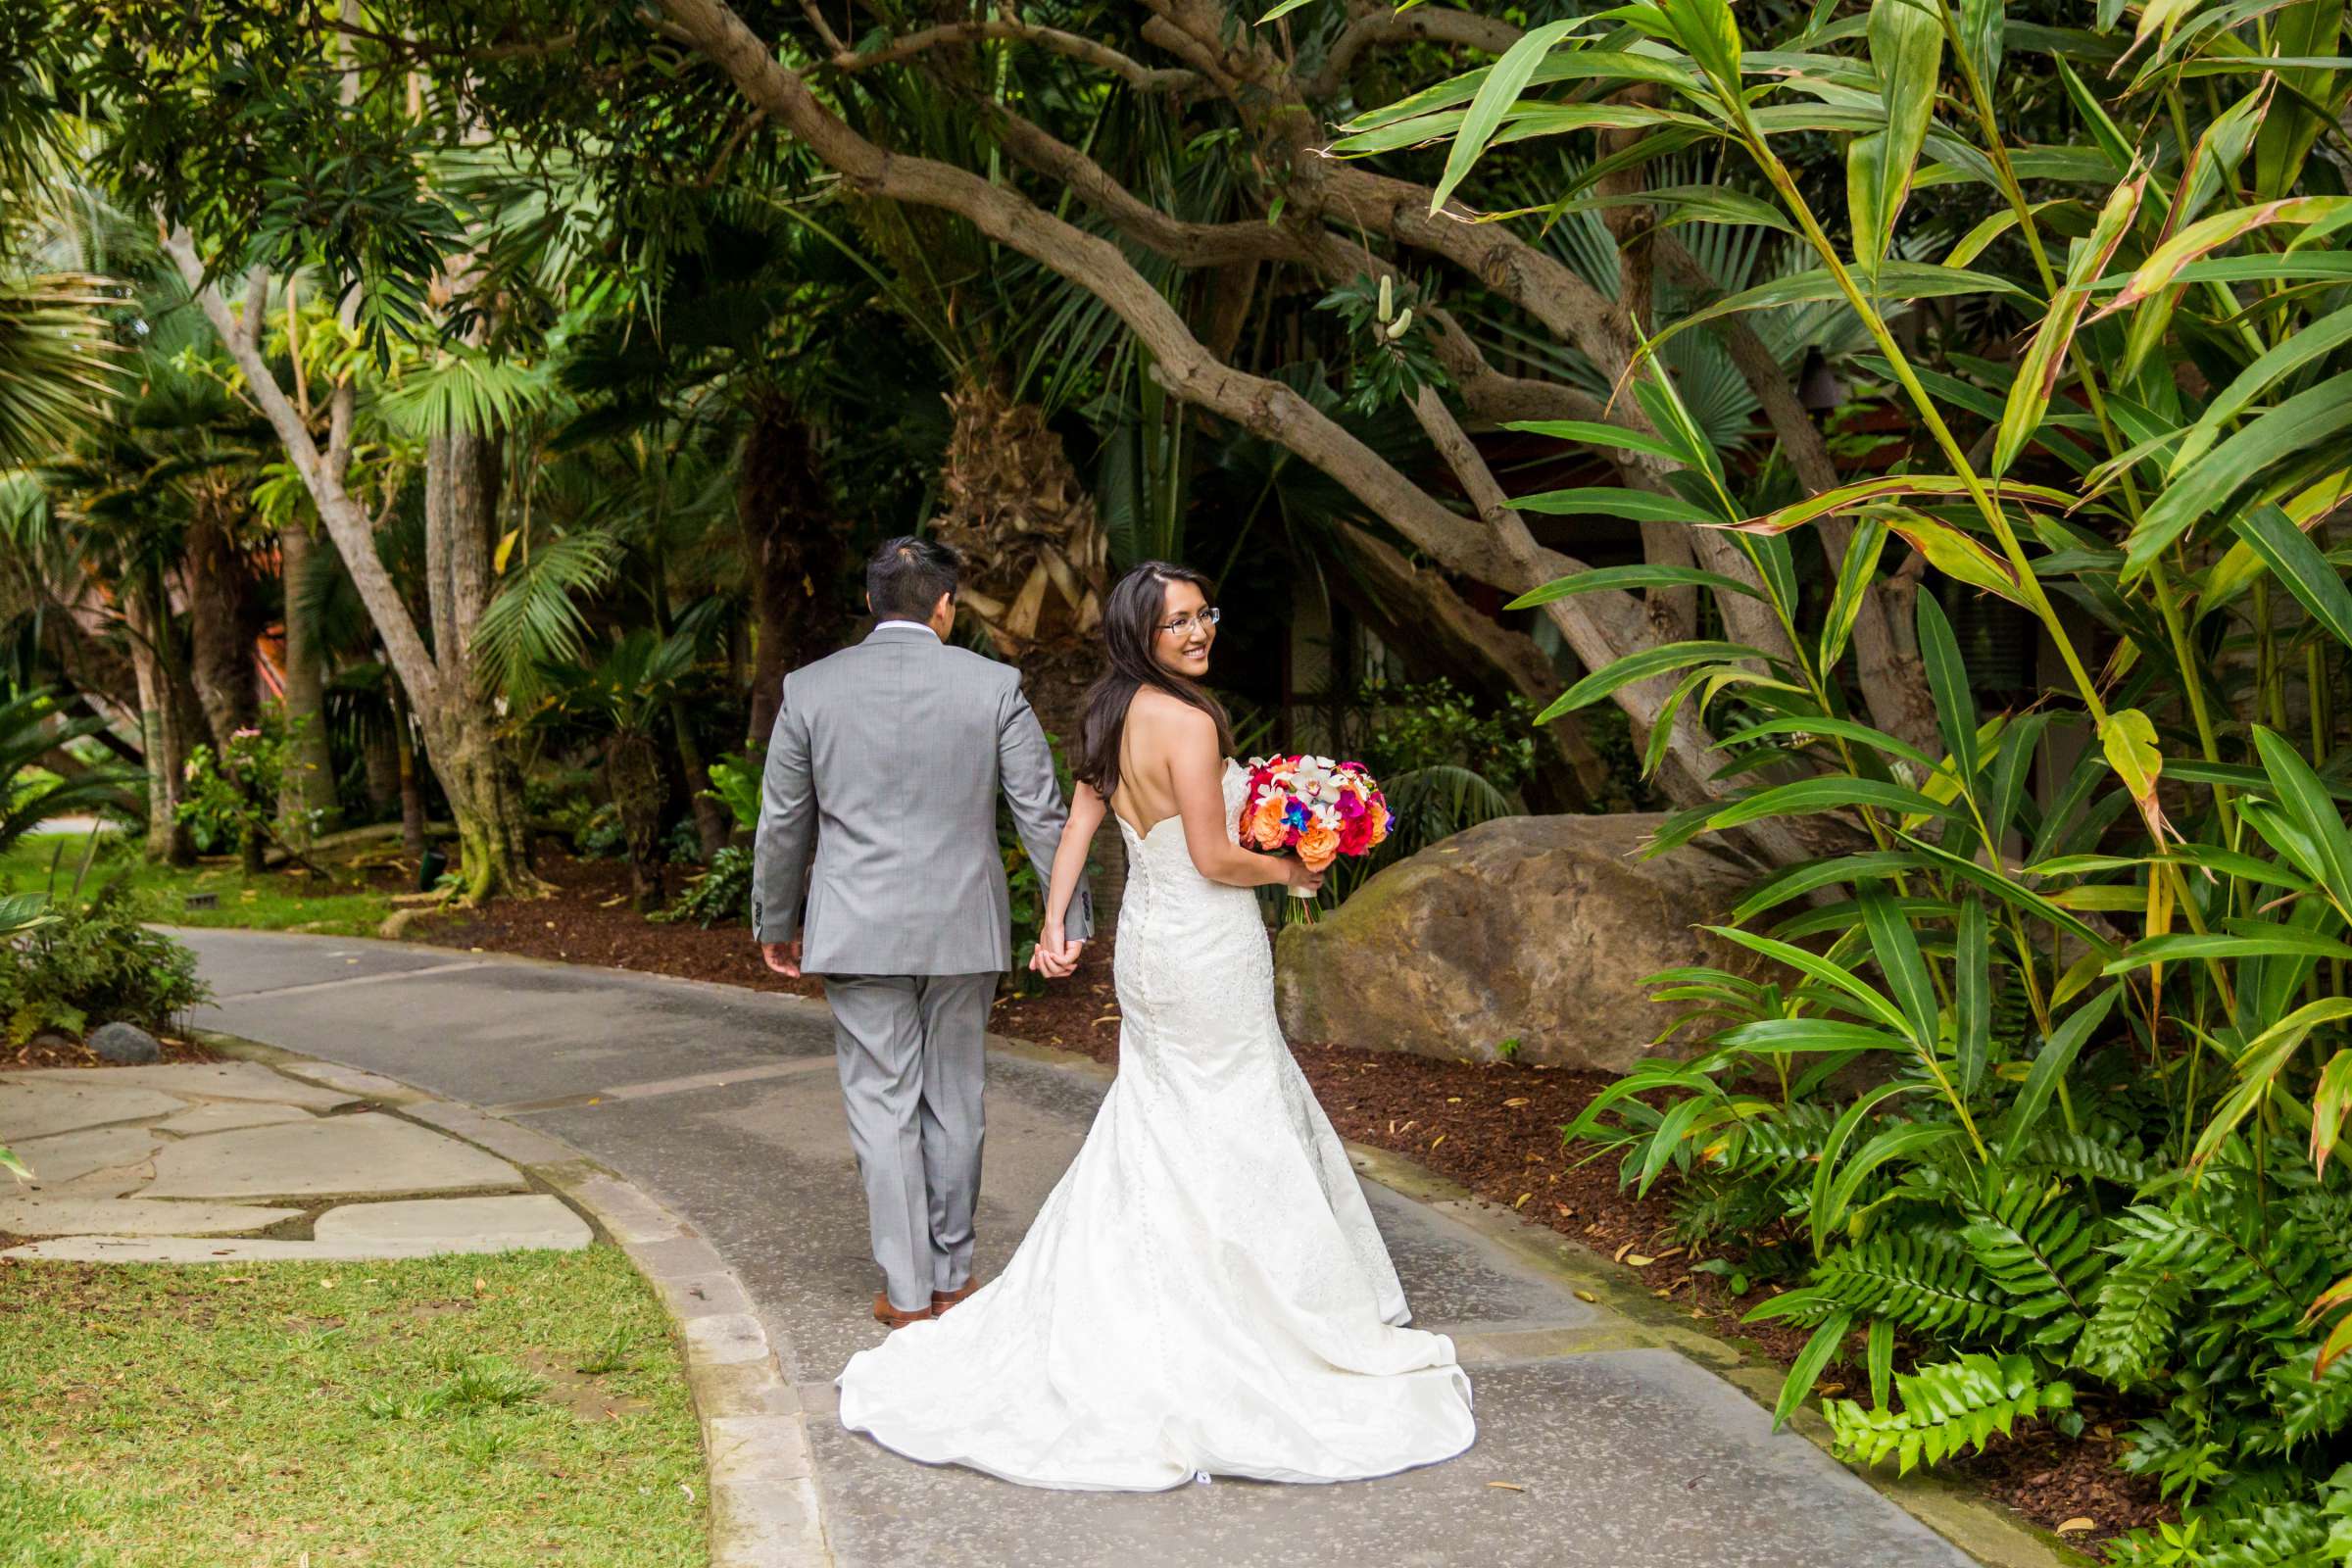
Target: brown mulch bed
[(1494, 1127), (589, 919), (58, 1050)]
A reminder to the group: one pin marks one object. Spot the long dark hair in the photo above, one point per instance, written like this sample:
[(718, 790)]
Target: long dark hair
[(1131, 619)]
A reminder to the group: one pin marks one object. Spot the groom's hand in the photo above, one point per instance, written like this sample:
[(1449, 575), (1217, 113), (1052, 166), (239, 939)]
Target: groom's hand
[(783, 956), (1056, 957)]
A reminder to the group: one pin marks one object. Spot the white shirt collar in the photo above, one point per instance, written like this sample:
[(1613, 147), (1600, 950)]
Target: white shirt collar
[(919, 625)]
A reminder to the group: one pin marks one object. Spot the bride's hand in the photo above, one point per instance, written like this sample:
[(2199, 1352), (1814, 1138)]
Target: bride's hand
[(1054, 957), (1300, 875)]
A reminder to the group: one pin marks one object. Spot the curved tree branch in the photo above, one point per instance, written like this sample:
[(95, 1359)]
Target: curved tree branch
[(1264, 406), (909, 46), (1374, 26), (1186, 244), (346, 522)]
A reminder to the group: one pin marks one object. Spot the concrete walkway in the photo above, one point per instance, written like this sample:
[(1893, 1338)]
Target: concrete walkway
[(1609, 1433)]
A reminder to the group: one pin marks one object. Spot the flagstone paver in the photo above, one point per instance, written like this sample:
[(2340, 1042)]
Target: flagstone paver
[(226, 1115), (40, 1216), (32, 1107), (196, 1080), (340, 1156), (456, 1224), (221, 1250), (70, 1157)]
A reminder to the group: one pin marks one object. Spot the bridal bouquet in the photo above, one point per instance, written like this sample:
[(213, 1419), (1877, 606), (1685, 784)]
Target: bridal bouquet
[(1318, 808)]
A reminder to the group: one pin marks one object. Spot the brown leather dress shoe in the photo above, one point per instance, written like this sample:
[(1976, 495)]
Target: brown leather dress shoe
[(891, 1316), (941, 1300)]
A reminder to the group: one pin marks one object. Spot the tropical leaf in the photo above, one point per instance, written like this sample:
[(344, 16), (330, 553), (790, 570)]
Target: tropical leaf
[(1628, 577), (2314, 415), (2317, 585), (1642, 506), (1645, 665), (1497, 95), (1906, 48), (2045, 356), (1895, 281)]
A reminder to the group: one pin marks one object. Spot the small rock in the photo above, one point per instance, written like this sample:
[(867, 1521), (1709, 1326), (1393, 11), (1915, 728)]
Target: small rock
[(125, 1045)]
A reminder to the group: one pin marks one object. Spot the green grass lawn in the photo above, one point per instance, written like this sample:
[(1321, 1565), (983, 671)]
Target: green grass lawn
[(524, 1409), (275, 900)]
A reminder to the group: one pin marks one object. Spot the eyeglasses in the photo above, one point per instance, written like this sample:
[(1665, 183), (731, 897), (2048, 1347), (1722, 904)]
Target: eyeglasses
[(1182, 625)]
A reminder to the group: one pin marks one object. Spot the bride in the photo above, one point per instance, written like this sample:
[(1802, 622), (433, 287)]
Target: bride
[(1204, 1292)]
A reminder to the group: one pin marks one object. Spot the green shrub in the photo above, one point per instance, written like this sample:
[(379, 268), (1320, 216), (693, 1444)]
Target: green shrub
[(722, 892), (92, 963)]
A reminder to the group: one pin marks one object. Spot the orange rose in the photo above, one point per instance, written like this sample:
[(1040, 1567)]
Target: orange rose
[(1318, 847), (1266, 827)]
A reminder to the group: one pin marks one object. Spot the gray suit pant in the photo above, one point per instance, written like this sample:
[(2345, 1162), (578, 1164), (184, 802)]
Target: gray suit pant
[(912, 1059)]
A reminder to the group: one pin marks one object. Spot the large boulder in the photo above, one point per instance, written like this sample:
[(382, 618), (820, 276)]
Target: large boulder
[(1538, 929)]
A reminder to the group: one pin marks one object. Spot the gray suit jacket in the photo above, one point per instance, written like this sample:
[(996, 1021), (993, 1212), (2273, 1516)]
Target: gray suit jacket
[(885, 764)]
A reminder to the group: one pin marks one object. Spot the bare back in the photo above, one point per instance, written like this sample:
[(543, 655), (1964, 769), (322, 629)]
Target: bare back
[(1156, 731)]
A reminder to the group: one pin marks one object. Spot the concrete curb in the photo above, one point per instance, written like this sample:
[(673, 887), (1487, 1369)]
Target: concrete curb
[(764, 1508)]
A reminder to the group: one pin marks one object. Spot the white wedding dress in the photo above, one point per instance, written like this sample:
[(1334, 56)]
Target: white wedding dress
[(1204, 1292)]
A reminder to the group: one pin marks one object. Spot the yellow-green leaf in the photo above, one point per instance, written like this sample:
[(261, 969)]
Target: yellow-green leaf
[(1906, 49), (2331, 1105), (2129, 739), (2045, 357), (1956, 555)]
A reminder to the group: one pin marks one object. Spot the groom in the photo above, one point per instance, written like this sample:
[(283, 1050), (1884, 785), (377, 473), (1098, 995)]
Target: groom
[(886, 762)]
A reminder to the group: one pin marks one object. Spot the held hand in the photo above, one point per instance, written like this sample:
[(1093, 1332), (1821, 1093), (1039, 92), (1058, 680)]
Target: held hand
[(1302, 878), (783, 956), (1056, 956)]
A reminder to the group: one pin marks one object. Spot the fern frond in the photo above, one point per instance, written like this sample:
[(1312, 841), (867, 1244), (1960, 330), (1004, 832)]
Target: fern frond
[(1784, 1144), (2138, 1304), (2311, 1408), (2036, 1242), (1919, 1282), (2084, 1158), (1947, 1408), (464, 391)]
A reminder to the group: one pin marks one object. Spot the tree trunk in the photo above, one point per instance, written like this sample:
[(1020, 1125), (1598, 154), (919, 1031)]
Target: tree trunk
[(478, 775), (793, 549), (1414, 610), (713, 823), (454, 709), (711, 820), (221, 626), (307, 805), (161, 736), (485, 801), (633, 772), (1036, 568), (380, 753), (411, 787)]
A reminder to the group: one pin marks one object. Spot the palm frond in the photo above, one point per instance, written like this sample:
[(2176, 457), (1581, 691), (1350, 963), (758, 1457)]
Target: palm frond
[(535, 619), (58, 364), (466, 391)]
